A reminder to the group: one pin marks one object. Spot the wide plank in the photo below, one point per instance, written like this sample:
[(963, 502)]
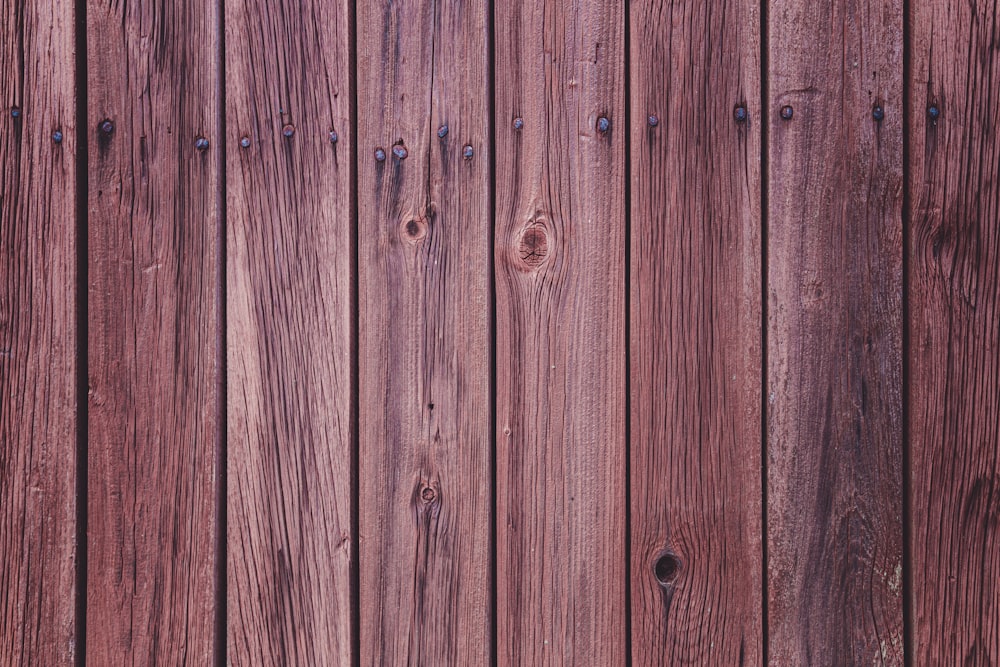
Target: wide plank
[(38, 334), (695, 348), (289, 321), (953, 292), (424, 332), (154, 330), (834, 332), (560, 332)]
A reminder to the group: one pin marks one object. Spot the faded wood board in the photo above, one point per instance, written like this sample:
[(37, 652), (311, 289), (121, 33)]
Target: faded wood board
[(560, 339), (695, 348), (38, 334), (954, 328), (154, 331), (290, 280), (424, 333), (834, 329)]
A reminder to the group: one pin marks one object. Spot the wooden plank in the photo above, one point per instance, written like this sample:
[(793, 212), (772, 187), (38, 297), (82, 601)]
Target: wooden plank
[(154, 312), (696, 333), (560, 295), (954, 329), (38, 332), (834, 278), (424, 344), (290, 282)]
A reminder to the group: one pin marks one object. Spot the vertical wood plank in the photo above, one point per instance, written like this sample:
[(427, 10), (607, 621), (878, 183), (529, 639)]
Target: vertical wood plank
[(834, 279), (424, 369), (696, 333), (38, 366), (154, 325), (954, 330), (560, 297), (290, 282)]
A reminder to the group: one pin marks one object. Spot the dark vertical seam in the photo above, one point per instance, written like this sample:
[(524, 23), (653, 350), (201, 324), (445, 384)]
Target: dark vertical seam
[(628, 336), (764, 203), (491, 253), (222, 449), (355, 437), (81, 137), (906, 455)]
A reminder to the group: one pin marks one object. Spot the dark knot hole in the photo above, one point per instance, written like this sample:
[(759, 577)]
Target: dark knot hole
[(666, 568)]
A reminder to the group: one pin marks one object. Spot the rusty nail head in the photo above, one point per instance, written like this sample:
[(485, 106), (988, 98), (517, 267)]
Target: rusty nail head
[(245, 142), (400, 152), (442, 132), (603, 124), (201, 143), (934, 112), (57, 137), (740, 113), (106, 126), (334, 137), (787, 112), (380, 154), (15, 112), (288, 131), (878, 113), (518, 123), (467, 152), (653, 120)]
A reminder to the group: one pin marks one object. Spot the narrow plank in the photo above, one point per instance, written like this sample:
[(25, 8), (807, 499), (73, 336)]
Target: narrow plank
[(560, 296), (290, 282), (954, 332), (834, 332), (696, 333), (38, 270), (154, 326), (424, 322)]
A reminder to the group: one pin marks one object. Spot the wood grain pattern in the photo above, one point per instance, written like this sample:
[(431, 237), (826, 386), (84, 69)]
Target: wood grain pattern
[(423, 235), (834, 333), (154, 318), (290, 281), (954, 324), (696, 334), (38, 333), (560, 295)]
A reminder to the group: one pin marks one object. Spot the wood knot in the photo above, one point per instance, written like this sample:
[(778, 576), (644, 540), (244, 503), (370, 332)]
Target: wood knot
[(666, 568), (428, 494), (533, 247), (414, 230)]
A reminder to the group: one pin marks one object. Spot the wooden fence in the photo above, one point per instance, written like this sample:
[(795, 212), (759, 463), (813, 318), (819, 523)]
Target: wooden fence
[(527, 332)]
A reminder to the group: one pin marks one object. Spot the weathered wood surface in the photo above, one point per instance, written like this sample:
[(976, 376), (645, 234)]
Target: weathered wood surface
[(424, 338), (954, 332), (38, 365), (834, 357), (695, 348), (154, 330), (560, 332), (289, 296)]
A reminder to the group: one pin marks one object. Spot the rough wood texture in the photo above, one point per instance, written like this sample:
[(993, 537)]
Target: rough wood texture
[(560, 270), (38, 415), (696, 334), (289, 320), (424, 267), (954, 324), (834, 333), (154, 331)]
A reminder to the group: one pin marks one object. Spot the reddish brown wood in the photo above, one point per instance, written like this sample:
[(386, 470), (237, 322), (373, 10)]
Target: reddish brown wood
[(424, 345), (154, 311), (560, 311), (834, 333), (289, 259), (954, 324), (38, 366), (695, 349)]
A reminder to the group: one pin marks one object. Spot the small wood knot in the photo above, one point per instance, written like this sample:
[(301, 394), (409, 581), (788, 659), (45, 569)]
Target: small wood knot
[(428, 494), (415, 229), (534, 245), (666, 569)]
